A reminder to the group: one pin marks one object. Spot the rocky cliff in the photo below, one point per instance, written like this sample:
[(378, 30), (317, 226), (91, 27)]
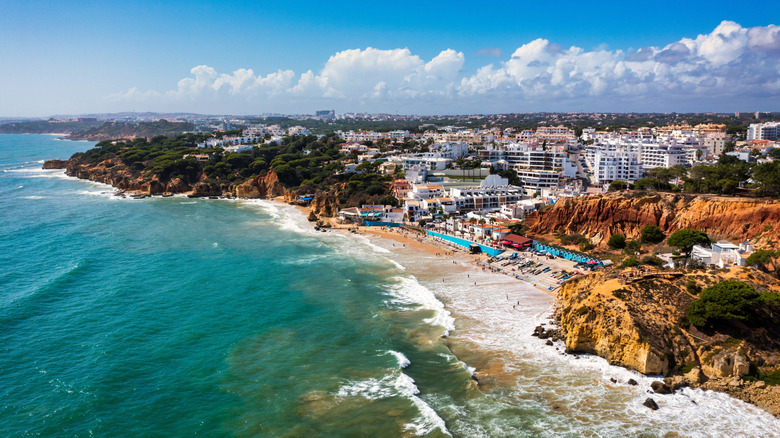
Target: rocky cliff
[(642, 326), (598, 217), (117, 174)]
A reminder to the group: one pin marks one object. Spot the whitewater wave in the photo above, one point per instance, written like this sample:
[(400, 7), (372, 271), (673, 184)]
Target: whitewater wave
[(407, 290), (397, 384), (403, 361)]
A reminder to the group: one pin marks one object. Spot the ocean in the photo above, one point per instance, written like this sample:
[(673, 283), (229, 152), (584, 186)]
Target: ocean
[(195, 317)]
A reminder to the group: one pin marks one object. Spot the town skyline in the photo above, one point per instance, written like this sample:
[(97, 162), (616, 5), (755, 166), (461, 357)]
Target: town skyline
[(427, 60)]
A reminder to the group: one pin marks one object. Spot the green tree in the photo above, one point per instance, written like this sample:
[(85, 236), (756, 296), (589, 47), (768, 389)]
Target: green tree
[(652, 234), (762, 259), (629, 262), (617, 185), (617, 241), (724, 301), (586, 245), (518, 229), (685, 238), (632, 247), (767, 175)]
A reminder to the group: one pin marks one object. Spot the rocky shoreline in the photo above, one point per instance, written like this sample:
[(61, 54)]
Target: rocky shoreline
[(628, 326), (639, 327), (133, 184)]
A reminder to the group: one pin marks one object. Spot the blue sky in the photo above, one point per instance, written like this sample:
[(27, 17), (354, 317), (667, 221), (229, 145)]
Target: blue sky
[(402, 56)]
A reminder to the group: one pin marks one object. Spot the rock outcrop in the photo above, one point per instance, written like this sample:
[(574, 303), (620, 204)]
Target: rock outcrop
[(642, 326), (593, 320), (117, 174), (598, 217), (55, 164)]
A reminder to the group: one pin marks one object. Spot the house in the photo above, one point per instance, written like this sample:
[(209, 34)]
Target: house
[(722, 253)]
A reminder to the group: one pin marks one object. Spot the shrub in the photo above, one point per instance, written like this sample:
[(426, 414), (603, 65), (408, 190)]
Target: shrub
[(617, 241), (572, 239), (652, 261), (630, 262), (724, 301), (685, 238), (632, 247), (652, 234), (692, 287), (586, 245)]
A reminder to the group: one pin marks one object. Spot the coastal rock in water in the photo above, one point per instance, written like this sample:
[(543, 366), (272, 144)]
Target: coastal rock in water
[(632, 382), (55, 164), (176, 185), (695, 376), (156, 187), (650, 403), (660, 387), (312, 217), (206, 189), (248, 189), (676, 382)]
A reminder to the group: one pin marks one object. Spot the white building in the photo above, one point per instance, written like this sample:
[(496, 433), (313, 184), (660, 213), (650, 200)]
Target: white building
[(722, 254), (763, 131), (610, 166), (493, 193), (453, 150), (430, 161)]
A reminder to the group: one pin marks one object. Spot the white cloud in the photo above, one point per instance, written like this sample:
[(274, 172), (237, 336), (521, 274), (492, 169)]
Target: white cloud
[(716, 69)]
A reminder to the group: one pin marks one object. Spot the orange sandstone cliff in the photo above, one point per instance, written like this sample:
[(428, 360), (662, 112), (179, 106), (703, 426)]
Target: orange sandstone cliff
[(720, 217)]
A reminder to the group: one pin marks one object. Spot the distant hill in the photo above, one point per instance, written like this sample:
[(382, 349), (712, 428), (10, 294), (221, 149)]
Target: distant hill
[(113, 130), (46, 126)]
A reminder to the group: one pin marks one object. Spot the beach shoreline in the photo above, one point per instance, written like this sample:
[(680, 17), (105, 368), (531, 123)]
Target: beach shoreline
[(488, 322)]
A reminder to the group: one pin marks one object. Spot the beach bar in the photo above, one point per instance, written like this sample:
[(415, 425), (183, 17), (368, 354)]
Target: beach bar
[(515, 241), (466, 243)]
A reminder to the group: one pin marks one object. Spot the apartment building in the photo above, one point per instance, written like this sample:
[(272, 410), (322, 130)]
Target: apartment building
[(763, 131), (610, 166)]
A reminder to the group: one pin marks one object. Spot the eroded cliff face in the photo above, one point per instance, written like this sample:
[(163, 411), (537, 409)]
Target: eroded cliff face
[(641, 326), (118, 174), (625, 332), (598, 217), (263, 186)]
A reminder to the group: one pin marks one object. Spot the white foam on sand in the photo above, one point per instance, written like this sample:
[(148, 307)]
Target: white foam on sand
[(575, 392), (572, 394), (407, 290)]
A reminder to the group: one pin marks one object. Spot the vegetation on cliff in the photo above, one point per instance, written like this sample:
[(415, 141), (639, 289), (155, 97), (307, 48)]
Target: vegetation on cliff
[(305, 164), (112, 130), (642, 321), (46, 126), (728, 301)]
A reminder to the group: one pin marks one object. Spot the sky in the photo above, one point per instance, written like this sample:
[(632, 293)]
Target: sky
[(405, 57)]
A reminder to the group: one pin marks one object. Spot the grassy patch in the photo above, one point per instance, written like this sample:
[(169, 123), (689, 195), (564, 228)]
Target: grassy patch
[(731, 342), (688, 367)]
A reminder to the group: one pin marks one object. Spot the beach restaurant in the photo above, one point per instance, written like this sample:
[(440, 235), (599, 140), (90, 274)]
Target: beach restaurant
[(515, 241)]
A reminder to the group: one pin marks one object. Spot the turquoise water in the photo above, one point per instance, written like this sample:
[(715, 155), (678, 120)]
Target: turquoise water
[(181, 317)]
